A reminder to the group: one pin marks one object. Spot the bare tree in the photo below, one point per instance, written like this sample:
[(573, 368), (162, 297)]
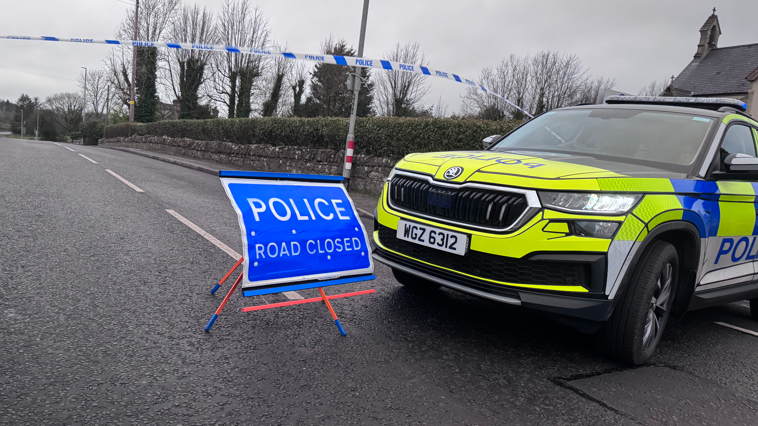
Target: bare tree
[(297, 78), (500, 79), (153, 20), (512, 78), (400, 94), (590, 91), (519, 87), (235, 75), (99, 98), (66, 109), (185, 72), (277, 75), (557, 80), (654, 88), (118, 68), (439, 110), (538, 83)]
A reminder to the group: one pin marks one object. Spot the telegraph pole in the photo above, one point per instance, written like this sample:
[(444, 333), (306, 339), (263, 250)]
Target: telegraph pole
[(134, 61), (22, 122), (84, 108), (356, 81), (36, 131)]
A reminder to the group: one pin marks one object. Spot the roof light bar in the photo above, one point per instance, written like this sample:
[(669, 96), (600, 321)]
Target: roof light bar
[(711, 103)]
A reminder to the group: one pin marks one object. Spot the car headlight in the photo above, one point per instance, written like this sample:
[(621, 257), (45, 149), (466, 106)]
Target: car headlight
[(589, 202)]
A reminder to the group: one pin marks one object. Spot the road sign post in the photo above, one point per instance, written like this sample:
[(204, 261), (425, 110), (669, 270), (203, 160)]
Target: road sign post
[(356, 88), (134, 63)]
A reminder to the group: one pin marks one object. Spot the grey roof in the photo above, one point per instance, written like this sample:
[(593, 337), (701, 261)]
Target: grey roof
[(722, 71), (708, 22)]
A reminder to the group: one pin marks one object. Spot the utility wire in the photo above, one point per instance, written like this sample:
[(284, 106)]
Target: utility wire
[(41, 75)]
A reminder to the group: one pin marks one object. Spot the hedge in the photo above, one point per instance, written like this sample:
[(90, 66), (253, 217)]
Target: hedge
[(388, 137), (91, 132)]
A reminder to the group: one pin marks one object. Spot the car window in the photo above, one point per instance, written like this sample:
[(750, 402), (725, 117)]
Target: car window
[(655, 136), (737, 140)]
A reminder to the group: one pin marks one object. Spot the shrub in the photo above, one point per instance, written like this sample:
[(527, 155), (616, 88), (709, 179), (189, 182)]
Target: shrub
[(380, 136), (91, 132), (121, 130)]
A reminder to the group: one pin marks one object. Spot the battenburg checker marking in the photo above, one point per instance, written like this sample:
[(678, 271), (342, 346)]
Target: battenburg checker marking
[(321, 58)]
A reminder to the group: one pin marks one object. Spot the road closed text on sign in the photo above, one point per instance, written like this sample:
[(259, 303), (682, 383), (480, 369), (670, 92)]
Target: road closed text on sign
[(297, 231)]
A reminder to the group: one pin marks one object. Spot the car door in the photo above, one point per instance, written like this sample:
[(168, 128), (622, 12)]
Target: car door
[(732, 252)]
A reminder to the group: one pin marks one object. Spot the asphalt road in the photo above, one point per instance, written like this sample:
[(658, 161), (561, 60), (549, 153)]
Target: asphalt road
[(104, 295)]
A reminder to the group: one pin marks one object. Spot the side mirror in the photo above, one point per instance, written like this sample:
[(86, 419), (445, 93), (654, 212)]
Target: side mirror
[(741, 163), (486, 142)]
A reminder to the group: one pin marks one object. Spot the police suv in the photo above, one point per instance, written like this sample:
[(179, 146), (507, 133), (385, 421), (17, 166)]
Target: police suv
[(613, 217)]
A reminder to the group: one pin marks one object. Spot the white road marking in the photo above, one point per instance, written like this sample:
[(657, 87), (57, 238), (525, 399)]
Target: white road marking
[(87, 158), (734, 327), (225, 248), (292, 295), (131, 185), (69, 149), (367, 213), (57, 143)]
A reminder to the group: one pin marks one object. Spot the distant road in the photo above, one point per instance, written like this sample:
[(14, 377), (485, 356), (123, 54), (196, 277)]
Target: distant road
[(104, 295)]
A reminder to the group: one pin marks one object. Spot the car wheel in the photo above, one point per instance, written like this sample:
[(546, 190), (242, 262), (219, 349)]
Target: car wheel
[(754, 308), (635, 328), (413, 282)]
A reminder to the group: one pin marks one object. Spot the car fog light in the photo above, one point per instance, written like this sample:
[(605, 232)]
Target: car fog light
[(595, 229)]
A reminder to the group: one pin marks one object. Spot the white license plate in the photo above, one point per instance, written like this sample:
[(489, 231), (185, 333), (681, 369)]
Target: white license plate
[(440, 239)]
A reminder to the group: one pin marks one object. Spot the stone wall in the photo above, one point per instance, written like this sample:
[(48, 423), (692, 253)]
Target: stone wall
[(367, 175)]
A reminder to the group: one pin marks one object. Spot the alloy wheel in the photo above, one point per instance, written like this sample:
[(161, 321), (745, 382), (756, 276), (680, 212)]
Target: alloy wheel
[(658, 305)]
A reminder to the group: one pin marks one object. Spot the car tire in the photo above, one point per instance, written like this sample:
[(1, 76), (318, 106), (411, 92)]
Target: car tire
[(754, 308), (413, 282), (635, 328)]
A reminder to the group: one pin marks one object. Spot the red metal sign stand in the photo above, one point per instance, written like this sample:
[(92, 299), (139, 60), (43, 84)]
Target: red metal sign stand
[(323, 298), (239, 262)]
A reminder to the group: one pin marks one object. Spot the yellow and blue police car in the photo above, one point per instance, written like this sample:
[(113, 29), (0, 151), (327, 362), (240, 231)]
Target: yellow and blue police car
[(612, 217)]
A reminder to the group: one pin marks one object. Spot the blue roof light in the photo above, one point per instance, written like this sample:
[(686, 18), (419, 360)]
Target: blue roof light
[(678, 101)]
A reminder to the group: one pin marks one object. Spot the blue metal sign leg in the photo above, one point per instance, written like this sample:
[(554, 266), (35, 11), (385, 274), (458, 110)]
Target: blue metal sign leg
[(329, 305), (223, 303)]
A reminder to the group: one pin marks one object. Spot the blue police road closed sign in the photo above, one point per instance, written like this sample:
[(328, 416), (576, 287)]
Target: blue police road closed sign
[(296, 231)]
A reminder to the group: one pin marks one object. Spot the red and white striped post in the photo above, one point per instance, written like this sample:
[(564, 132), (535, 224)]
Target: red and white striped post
[(356, 87), (348, 160)]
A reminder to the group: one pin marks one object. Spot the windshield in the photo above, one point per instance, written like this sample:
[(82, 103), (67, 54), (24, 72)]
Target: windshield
[(662, 137)]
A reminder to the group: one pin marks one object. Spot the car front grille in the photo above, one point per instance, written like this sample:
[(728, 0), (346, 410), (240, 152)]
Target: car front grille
[(490, 266), (492, 209)]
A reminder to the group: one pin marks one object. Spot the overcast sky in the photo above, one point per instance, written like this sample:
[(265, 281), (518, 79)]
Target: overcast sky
[(634, 41)]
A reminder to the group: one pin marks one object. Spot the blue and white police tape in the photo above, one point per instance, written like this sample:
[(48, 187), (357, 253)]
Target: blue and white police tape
[(349, 61)]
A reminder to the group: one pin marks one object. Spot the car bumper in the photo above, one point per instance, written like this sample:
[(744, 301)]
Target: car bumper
[(584, 308)]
